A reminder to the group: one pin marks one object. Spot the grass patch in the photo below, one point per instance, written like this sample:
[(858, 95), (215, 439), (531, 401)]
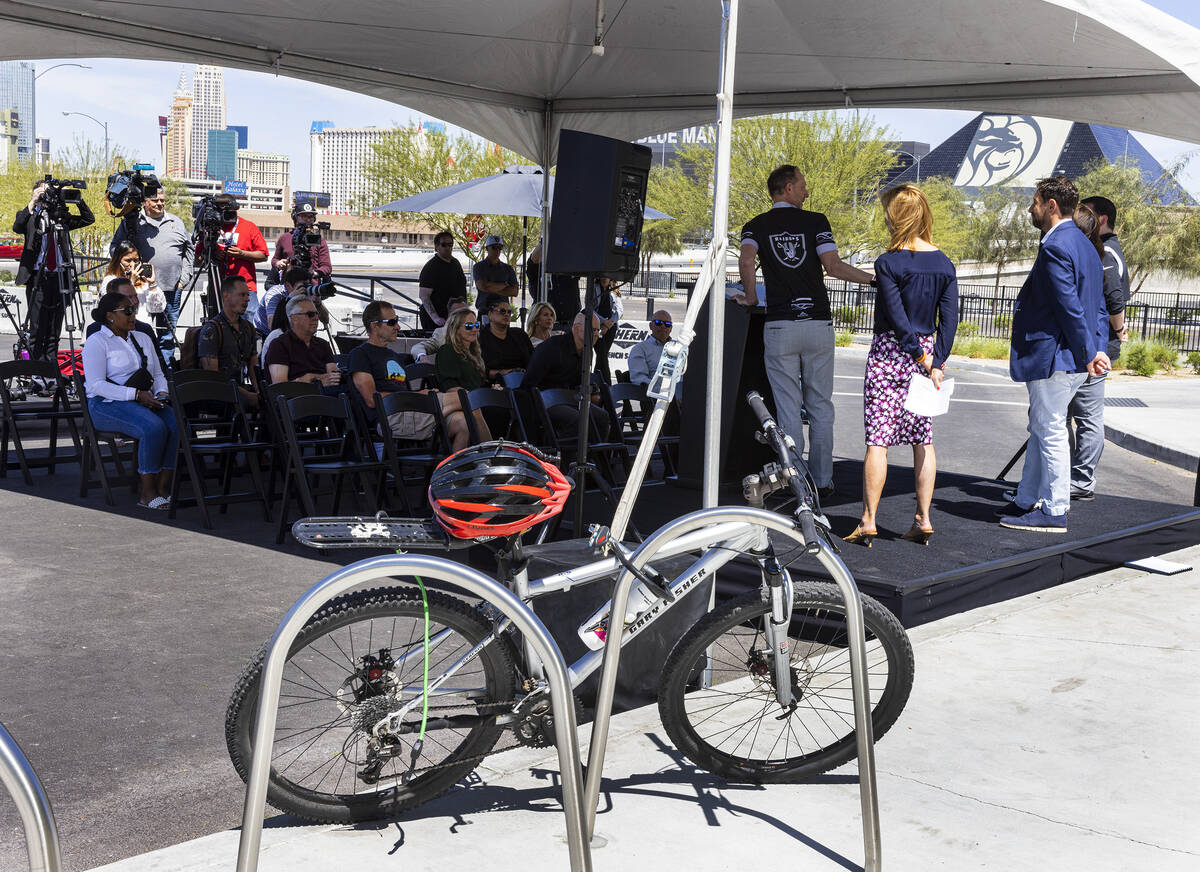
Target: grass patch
[(1193, 360), (973, 346), (843, 338), (967, 329)]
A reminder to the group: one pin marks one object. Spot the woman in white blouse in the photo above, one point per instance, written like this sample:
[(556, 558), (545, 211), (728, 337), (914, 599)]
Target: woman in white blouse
[(126, 390)]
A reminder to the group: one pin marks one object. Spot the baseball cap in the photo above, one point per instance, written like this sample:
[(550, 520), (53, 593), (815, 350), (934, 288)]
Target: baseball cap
[(304, 209), (492, 240)]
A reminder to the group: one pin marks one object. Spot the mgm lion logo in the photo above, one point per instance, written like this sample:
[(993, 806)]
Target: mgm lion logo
[(790, 248)]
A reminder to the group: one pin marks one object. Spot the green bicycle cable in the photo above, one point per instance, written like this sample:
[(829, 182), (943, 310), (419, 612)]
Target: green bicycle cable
[(420, 743)]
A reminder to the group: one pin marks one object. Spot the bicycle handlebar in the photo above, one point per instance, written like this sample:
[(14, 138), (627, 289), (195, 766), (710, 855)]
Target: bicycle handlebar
[(776, 436), (754, 398)]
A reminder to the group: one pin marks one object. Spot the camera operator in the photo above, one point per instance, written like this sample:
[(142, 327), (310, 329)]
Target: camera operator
[(304, 216), (162, 240), (41, 256), (239, 247)]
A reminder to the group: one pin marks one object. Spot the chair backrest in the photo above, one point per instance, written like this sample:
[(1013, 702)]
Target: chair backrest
[(184, 376), (284, 390), (44, 369), (426, 373), (328, 424), (627, 404), (499, 410), (410, 401), (512, 380), (552, 397), (207, 405)]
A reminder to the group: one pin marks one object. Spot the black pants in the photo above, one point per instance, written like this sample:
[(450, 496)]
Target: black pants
[(603, 344), (45, 314)]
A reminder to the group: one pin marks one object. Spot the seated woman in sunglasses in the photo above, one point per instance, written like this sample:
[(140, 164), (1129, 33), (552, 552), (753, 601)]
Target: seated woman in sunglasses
[(459, 362), (125, 388)]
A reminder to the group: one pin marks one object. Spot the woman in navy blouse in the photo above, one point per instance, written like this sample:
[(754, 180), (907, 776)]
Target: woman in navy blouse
[(916, 315)]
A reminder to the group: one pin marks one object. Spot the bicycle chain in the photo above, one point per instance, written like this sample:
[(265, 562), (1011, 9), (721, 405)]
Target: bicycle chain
[(481, 708)]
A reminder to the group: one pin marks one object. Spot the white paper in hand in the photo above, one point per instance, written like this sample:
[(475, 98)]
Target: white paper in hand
[(924, 399)]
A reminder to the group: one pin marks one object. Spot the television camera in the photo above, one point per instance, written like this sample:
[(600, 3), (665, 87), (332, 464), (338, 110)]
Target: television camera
[(304, 237), (128, 189), (57, 194)]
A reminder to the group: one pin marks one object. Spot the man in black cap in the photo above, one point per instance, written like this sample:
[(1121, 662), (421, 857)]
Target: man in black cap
[(495, 280), (304, 215)]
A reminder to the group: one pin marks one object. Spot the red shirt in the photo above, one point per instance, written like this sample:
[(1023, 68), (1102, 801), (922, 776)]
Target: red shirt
[(247, 237)]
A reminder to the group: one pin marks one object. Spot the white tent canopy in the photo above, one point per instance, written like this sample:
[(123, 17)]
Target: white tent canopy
[(518, 71)]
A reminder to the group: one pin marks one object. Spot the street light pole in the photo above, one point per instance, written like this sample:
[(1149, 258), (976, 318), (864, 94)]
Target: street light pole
[(103, 124), (916, 161), (38, 76)]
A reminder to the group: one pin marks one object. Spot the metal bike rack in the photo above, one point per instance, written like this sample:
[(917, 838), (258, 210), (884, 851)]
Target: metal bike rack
[(18, 777), (858, 659), (381, 568)]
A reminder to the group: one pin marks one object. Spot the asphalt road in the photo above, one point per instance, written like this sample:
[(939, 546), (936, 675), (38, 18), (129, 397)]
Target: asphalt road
[(123, 632)]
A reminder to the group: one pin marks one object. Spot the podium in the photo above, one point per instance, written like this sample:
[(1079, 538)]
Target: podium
[(742, 370)]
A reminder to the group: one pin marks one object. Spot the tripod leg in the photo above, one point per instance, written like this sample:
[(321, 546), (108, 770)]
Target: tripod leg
[(1013, 461)]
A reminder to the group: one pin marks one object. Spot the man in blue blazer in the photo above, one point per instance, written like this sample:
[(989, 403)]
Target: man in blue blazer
[(1058, 339)]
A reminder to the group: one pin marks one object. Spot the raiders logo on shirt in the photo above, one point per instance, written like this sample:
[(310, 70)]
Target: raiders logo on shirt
[(790, 249)]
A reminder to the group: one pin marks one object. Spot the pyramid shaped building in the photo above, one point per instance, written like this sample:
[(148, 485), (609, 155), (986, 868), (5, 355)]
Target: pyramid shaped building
[(1017, 150)]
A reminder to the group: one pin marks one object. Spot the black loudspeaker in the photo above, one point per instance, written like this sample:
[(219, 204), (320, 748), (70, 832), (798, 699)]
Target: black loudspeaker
[(599, 200)]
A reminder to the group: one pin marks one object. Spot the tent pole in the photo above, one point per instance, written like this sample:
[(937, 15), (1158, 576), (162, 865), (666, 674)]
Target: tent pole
[(524, 259), (720, 234), (543, 291)]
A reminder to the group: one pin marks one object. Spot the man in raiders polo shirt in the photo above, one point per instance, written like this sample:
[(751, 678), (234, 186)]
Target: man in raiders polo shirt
[(796, 249)]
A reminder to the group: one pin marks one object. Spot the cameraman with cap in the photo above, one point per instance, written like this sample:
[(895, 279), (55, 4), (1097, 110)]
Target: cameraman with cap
[(304, 215), (163, 241), (41, 257), (239, 247), (495, 280)]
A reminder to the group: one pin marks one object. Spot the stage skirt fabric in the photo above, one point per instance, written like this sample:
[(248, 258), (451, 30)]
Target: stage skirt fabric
[(885, 387)]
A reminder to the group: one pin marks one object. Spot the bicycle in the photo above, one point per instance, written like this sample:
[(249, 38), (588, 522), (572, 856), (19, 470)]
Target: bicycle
[(391, 696)]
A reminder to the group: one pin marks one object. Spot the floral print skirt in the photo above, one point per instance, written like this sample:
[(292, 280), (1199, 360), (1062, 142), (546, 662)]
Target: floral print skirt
[(885, 387)]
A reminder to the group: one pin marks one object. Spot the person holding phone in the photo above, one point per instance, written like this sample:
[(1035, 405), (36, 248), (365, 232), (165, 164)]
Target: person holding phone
[(126, 262), (126, 393)]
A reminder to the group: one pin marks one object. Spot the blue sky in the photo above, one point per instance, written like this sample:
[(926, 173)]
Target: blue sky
[(279, 110)]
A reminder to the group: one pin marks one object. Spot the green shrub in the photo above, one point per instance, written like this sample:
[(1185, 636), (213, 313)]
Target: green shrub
[(843, 338), (849, 315), (1172, 336), (967, 329), (1193, 360), (1131, 313), (6, 277), (974, 347), (1147, 358), (1003, 321)]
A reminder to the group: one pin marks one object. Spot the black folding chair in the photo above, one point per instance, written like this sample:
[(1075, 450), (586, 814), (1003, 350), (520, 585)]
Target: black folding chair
[(212, 427), (270, 428), (630, 408), (498, 410), (336, 451), (122, 448), (402, 454), (512, 380), (55, 410), (424, 373)]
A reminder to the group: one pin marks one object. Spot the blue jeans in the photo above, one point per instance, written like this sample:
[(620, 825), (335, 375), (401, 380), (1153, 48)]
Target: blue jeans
[(799, 360), (252, 307), (156, 431), (1046, 477), (174, 303)]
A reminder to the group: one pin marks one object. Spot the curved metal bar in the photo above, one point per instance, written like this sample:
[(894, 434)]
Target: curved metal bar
[(18, 777), (858, 659), (375, 569)]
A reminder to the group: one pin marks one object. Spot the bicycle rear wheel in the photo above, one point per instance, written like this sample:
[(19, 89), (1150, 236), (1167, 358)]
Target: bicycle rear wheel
[(357, 661), (735, 727)]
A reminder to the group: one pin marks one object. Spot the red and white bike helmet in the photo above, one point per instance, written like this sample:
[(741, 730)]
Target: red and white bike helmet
[(496, 489)]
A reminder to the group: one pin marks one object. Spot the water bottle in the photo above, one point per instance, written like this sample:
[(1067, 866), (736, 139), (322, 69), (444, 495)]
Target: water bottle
[(594, 631)]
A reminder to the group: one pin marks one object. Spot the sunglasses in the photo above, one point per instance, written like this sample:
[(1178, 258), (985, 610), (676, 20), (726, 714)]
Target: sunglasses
[(391, 322), (128, 310), (658, 323), (308, 314), (443, 245), (501, 311), (471, 325)]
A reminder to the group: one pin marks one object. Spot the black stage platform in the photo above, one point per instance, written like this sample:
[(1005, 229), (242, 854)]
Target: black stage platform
[(971, 561)]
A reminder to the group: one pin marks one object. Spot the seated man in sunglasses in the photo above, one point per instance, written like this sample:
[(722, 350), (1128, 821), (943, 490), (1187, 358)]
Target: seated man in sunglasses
[(505, 348), (375, 367), (299, 354), (643, 357)]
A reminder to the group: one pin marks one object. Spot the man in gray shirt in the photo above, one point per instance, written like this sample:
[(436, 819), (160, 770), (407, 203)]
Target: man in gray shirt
[(163, 241)]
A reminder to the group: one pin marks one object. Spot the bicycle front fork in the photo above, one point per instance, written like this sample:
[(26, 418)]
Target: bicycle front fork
[(778, 584)]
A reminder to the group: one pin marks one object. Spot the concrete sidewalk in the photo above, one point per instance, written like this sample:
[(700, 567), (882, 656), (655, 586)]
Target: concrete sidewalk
[(1051, 731)]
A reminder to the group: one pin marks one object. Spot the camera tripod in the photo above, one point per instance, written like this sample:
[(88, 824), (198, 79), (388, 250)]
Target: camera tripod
[(54, 295), (210, 267)]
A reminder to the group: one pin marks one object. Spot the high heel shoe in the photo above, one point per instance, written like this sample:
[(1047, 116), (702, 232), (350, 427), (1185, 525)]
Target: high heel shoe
[(916, 534), (861, 537)]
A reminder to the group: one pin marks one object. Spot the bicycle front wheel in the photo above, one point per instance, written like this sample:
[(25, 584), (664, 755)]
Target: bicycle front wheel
[(359, 661), (733, 726)]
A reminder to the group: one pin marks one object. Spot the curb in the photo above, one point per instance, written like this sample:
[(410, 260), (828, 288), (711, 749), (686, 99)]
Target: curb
[(1146, 448)]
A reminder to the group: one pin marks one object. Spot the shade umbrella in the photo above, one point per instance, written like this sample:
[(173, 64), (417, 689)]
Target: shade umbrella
[(517, 190)]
